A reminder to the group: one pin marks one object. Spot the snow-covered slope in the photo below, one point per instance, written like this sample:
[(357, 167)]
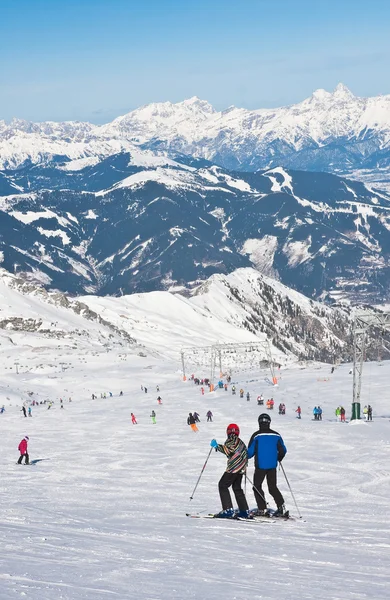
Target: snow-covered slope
[(102, 511), (291, 321), (102, 514), (49, 321), (241, 307), (335, 132)]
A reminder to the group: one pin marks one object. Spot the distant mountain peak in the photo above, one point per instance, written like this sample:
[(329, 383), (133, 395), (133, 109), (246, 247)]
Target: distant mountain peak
[(341, 92), (321, 94), (197, 102)]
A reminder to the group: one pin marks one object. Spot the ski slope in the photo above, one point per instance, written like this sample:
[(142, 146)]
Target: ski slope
[(102, 515)]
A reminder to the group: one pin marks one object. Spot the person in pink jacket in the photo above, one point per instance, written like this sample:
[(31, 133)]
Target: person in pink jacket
[(23, 451)]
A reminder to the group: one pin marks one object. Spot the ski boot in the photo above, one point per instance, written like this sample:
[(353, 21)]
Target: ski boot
[(281, 512), (259, 512), (244, 514), (228, 513)]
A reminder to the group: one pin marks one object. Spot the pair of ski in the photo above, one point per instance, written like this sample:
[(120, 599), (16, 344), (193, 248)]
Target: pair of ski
[(269, 517)]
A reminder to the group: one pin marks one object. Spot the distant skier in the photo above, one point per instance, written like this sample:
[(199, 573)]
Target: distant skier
[(268, 448), (23, 449), (133, 419), (226, 387), (260, 399), (209, 416), (202, 390), (270, 404), (110, 394), (241, 393), (233, 390), (157, 388), (121, 393), (332, 370), (2, 409), (191, 421), (29, 411), (236, 453), (299, 412), (248, 396), (196, 417), (369, 413), (142, 388), (153, 416), (338, 412), (319, 413), (23, 410), (146, 390), (342, 414), (159, 400)]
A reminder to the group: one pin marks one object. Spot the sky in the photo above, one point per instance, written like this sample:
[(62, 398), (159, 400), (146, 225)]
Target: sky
[(94, 60)]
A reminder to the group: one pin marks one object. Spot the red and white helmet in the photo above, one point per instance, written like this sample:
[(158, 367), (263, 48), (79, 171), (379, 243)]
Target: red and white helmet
[(233, 429)]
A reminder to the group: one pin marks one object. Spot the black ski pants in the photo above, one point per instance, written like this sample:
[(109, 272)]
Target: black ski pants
[(234, 480), (26, 458), (260, 475), (209, 418)]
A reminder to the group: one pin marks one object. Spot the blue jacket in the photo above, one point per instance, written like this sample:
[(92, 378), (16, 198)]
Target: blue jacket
[(267, 447)]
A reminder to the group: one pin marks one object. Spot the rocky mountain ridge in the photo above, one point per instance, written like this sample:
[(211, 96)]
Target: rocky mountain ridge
[(137, 223)]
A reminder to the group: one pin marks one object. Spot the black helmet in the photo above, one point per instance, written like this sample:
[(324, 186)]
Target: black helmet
[(264, 419)]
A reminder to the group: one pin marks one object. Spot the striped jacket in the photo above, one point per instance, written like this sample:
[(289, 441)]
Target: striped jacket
[(236, 453)]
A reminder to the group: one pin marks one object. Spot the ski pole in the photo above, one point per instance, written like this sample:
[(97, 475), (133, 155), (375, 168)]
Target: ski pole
[(289, 487), (255, 488), (201, 473)]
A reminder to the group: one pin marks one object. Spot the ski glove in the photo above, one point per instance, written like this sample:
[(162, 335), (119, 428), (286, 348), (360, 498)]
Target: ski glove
[(214, 444)]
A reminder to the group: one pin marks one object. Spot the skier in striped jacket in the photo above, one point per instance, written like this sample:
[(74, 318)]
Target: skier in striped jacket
[(237, 455)]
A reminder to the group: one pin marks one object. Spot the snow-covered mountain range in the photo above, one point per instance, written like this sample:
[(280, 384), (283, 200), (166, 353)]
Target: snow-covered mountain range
[(138, 222), (336, 132)]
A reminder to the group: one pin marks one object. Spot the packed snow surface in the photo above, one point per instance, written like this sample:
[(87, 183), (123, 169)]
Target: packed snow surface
[(102, 515)]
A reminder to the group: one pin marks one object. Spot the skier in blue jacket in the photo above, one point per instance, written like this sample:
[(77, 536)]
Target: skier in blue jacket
[(267, 447)]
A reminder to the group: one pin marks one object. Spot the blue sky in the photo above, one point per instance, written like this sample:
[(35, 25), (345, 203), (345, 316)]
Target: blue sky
[(96, 59)]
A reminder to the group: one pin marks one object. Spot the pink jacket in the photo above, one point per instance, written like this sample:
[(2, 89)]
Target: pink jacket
[(23, 447)]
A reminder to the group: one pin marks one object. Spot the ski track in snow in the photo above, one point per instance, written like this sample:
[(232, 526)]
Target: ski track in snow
[(103, 516)]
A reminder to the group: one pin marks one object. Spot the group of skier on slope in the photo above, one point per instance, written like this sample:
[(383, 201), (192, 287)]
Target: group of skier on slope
[(153, 413), (268, 449), (193, 419)]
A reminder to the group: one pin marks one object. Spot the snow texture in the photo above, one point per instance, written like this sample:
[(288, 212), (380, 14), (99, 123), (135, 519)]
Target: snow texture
[(102, 514)]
